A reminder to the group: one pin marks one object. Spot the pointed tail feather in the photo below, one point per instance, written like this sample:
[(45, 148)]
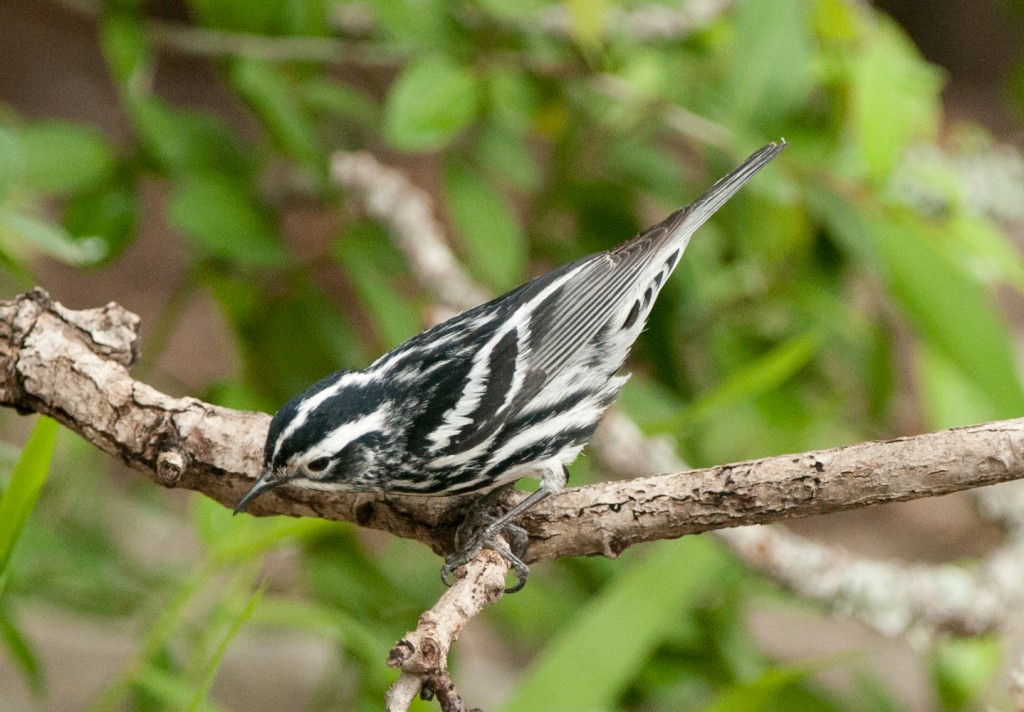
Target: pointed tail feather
[(609, 281), (684, 222)]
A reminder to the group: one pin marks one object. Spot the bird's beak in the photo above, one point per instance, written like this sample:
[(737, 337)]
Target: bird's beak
[(265, 483)]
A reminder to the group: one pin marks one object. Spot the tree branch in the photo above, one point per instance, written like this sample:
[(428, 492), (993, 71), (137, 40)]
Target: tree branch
[(71, 365), (422, 655)]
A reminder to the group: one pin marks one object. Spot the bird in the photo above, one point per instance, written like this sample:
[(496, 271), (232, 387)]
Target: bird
[(509, 389)]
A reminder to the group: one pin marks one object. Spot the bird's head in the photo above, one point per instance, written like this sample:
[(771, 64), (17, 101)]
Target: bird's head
[(326, 438)]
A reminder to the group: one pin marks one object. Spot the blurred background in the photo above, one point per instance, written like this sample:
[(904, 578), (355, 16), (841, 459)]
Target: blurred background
[(173, 156)]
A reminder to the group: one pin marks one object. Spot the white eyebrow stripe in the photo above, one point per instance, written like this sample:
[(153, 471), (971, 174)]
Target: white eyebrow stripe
[(345, 433), (310, 404)]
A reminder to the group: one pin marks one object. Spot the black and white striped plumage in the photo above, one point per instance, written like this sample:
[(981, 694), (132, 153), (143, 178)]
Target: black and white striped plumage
[(511, 388)]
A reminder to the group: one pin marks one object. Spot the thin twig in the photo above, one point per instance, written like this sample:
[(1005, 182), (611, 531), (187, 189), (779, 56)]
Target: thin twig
[(422, 654), (685, 122), (408, 211), (202, 41), (646, 22)]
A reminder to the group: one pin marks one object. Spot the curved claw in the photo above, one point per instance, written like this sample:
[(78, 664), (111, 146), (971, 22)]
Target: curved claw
[(519, 584), (460, 558), (453, 562), (448, 575), (515, 535), (521, 570)]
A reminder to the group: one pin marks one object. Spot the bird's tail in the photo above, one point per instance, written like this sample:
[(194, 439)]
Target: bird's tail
[(685, 221)]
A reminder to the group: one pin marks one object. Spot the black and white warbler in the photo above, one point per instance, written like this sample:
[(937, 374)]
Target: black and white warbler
[(511, 388)]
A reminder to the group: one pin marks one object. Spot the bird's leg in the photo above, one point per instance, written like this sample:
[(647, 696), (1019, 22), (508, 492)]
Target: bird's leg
[(488, 536), (502, 526), (479, 513)]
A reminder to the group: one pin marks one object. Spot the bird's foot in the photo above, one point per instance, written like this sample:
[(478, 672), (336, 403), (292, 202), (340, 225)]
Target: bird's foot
[(483, 527), (493, 537)]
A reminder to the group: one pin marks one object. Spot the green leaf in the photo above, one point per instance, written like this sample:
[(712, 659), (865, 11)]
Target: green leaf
[(947, 306), (758, 377), (762, 693), (271, 94), (952, 311), (165, 691), (110, 213), (987, 250), (20, 650), (127, 52), (512, 99), (895, 98), (309, 17), (418, 23), (289, 337), (221, 218), (342, 100), (495, 242), (27, 479), (142, 669), (771, 70), (648, 401), (950, 399), (618, 630), (202, 690), (503, 154), (964, 669), (638, 161), (51, 239), (837, 21), (237, 539), (587, 20), (430, 103), (183, 141), (378, 273), (62, 156), (518, 11)]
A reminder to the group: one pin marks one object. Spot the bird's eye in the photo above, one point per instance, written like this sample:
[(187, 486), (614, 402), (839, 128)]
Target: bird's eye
[(318, 465)]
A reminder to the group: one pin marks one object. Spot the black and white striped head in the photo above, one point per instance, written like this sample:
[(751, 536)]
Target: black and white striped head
[(329, 437)]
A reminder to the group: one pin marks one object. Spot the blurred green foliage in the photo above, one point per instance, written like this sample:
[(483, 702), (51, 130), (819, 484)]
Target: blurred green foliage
[(780, 331)]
